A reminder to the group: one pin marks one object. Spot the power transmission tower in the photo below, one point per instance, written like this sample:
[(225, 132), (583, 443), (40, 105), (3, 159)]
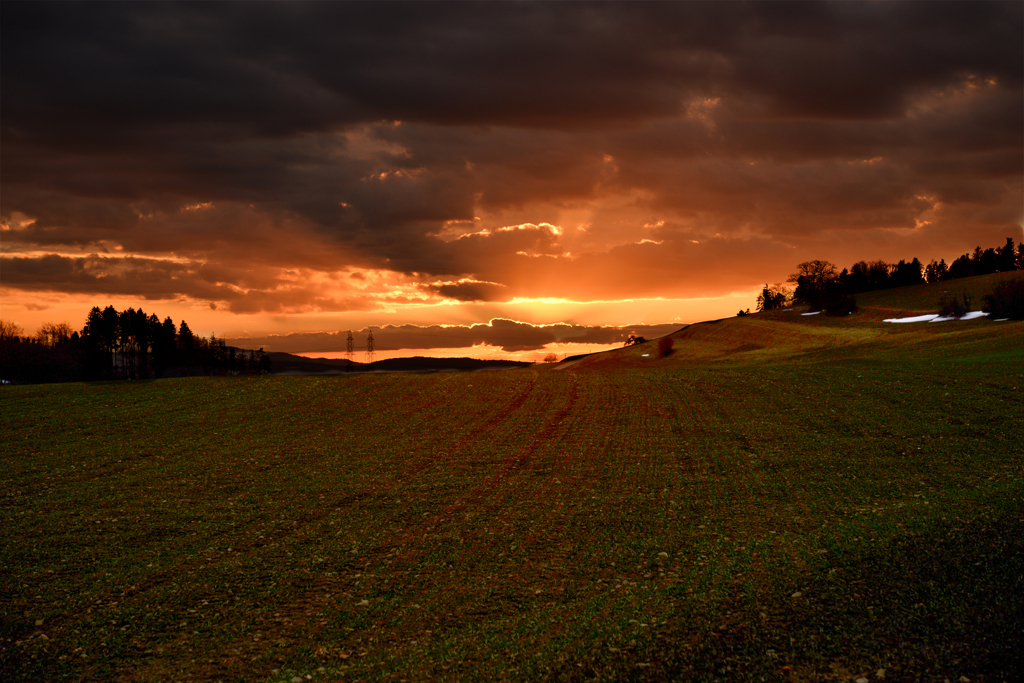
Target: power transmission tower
[(369, 348), (350, 346)]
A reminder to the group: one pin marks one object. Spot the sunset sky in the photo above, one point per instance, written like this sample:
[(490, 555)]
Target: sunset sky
[(265, 169)]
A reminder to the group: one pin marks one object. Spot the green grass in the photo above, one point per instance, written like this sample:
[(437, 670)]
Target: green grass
[(783, 498)]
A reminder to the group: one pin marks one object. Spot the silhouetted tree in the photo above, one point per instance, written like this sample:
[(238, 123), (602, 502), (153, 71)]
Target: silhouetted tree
[(96, 362), (165, 349), (10, 330), (127, 344), (139, 342), (1006, 257), (153, 329), (186, 345), (857, 278), (880, 274), (962, 266), (126, 340), (985, 262), (812, 280), (936, 272), (772, 297), (906, 274), (52, 334), (217, 355), (865, 277), (108, 330)]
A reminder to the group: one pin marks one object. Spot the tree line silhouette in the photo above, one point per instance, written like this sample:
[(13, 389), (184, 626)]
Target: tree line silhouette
[(116, 344), (820, 285)]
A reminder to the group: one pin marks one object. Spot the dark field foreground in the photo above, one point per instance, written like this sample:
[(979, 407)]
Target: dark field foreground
[(797, 498)]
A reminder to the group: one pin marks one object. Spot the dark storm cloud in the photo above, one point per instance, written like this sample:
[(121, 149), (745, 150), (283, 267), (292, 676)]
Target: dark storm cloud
[(277, 69), (865, 60), (282, 68), (769, 124), (97, 274), (470, 291)]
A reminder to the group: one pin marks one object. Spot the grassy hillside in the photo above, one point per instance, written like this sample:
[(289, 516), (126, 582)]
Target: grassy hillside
[(761, 338), (783, 498), (925, 298)]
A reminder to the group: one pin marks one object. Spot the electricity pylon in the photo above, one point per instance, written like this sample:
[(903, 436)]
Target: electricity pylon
[(370, 357)]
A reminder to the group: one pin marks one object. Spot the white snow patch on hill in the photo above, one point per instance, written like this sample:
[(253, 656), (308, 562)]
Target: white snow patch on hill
[(935, 318)]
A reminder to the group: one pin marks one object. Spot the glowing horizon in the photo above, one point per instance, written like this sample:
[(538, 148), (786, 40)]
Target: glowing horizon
[(481, 352)]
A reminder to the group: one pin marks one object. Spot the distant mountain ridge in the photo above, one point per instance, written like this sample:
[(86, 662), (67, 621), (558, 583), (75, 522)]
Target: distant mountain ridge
[(290, 364)]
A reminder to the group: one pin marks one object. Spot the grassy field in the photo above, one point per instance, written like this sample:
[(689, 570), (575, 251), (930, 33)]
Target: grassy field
[(783, 498)]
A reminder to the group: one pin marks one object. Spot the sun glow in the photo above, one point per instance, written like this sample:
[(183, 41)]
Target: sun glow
[(561, 350)]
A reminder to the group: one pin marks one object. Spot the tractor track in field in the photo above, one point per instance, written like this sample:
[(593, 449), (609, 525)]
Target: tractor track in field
[(506, 470), (424, 462)]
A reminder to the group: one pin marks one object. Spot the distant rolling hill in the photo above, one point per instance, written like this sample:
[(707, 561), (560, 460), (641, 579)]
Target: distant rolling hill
[(290, 364)]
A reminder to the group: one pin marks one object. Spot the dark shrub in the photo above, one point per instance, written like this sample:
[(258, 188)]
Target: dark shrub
[(665, 345), (1006, 300), (840, 304), (952, 307)]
